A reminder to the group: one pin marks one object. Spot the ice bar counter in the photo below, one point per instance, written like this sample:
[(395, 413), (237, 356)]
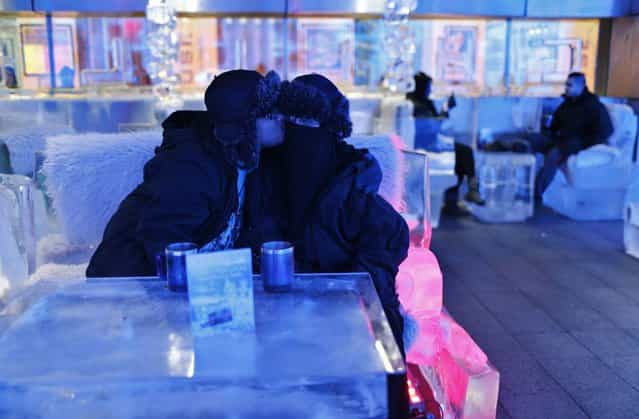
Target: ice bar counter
[(123, 348)]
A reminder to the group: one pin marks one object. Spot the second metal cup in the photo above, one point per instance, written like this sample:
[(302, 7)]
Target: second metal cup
[(176, 265), (277, 266)]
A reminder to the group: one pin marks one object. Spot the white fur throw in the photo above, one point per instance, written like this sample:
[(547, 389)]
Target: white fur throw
[(89, 175), (24, 141), (387, 151)]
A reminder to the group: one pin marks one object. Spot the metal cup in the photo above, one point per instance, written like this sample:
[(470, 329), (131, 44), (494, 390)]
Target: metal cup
[(176, 265), (277, 266)]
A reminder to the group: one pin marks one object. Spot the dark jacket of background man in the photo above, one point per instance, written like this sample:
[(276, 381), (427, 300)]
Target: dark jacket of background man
[(580, 123)]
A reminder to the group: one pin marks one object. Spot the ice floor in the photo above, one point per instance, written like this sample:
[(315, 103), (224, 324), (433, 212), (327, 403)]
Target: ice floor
[(554, 303)]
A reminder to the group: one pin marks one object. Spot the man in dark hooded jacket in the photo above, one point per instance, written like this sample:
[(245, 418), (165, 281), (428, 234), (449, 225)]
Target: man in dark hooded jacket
[(195, 187), (338, 221), (580, 122)]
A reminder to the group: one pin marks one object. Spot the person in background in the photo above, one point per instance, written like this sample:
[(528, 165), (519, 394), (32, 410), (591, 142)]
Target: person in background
[(261, 68), (196, 185), (338, 222), (11, 81), (580, 122), (140, 77), (66, 76), (424, 107)]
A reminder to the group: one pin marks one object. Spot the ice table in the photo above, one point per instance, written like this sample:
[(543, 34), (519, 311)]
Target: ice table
[(506, 183), (123, 348)]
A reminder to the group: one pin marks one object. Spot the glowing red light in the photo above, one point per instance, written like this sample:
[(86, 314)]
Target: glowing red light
[(412, 393)]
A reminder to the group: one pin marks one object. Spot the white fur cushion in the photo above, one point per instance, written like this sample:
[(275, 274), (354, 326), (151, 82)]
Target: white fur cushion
[(599, 155), (89, 175), (624, 122)]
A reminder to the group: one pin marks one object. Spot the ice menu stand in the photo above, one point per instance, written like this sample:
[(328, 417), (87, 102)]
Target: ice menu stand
[(221, 292)]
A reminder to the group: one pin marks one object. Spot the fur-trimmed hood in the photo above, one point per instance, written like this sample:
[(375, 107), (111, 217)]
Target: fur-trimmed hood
[(234, 101), (313, 100)]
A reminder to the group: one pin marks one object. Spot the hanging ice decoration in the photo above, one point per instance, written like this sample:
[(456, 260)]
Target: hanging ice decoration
[(399, 45), (162, 38)]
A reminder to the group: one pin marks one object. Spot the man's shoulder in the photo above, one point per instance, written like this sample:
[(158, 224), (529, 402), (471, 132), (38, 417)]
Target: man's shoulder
[(187, 147), (593, 100)]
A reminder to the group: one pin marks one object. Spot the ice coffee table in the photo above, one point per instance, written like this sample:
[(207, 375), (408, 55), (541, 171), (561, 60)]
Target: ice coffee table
[(507, 184)]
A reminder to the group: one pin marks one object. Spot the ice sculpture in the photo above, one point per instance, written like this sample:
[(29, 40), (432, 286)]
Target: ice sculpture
[(399, 46), (631, 220), (162, 38), (506, 183), (600, 175)]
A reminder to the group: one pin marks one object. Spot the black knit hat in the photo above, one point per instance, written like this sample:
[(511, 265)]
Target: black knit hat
[(422, 81), (314, 97), (234, 100)]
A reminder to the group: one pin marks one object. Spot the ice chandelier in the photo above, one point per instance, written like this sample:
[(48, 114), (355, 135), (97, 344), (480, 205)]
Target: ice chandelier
[(399, 45), (162, 38)]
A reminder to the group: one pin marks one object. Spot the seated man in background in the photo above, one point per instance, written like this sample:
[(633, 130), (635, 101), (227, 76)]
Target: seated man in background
[(338, 222), (195, 187), (424, 107), (581, 121)]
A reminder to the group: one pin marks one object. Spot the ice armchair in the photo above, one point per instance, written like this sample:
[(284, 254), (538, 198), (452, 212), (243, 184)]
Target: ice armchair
[(631, 220), (17, 235), (599, 176), (455, 368)]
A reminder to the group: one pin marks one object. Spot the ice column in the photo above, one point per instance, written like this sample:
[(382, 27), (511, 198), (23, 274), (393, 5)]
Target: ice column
[(399, 46), (162, 39)]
